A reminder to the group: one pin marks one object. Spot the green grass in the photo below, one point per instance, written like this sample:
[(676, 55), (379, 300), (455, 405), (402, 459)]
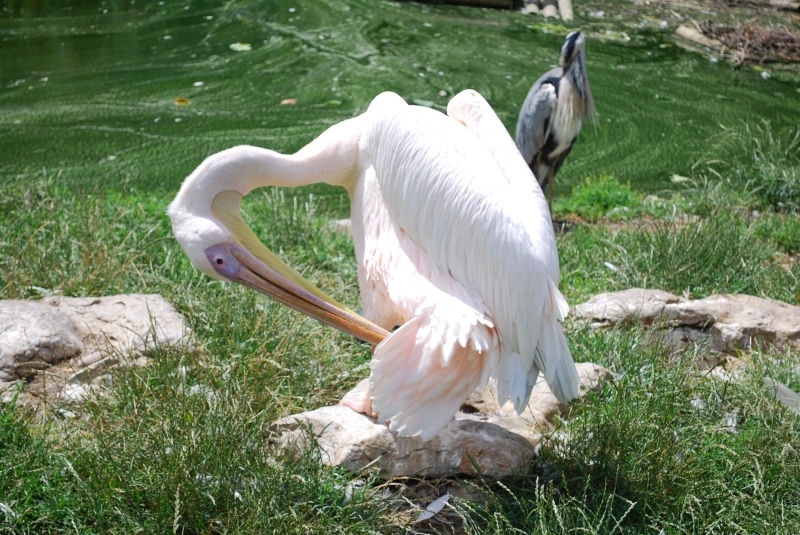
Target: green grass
[(643, 455), (723, 253), (761, 159), (94, 150), (597, 197), (180, 445)]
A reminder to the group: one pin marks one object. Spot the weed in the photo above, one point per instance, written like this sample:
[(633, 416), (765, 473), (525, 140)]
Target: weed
[(600, 196), (757, 158)]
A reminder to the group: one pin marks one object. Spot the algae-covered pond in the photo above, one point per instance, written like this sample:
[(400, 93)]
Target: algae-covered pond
[(87, 88)]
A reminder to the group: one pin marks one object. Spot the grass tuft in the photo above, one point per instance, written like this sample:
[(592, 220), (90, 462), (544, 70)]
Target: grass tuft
[(596, 197), (757, 158)]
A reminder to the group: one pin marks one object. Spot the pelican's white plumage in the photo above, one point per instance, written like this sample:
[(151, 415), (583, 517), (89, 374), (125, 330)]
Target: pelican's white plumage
[(453, 240)]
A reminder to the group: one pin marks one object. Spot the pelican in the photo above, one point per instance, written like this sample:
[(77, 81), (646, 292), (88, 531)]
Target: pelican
[(453, 240), (550, 118)]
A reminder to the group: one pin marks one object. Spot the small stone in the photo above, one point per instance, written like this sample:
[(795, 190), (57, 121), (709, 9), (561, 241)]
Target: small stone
[(531, 9), (550, 11), (342, 225), (9, 390), (75, 392)]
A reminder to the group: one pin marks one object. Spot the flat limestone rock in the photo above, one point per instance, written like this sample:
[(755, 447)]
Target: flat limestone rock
[(543, 408), (723, 323), (498, 441), (353, 441), (127, 323), (34, 336), (78, 339)]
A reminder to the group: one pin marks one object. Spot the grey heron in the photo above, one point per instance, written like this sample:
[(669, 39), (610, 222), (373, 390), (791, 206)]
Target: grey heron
[(551, 116)]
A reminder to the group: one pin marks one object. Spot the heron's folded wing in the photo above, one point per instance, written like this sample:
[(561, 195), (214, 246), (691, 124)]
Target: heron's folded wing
[(534, 119)]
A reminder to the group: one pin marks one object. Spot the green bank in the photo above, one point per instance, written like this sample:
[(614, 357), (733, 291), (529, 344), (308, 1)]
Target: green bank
[(89, 88)]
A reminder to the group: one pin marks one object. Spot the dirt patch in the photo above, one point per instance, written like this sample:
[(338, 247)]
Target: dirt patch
[(748, 42)]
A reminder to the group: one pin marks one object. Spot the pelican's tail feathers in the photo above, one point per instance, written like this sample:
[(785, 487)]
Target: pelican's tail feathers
[(415, 388), (554, 360), (511, 382)]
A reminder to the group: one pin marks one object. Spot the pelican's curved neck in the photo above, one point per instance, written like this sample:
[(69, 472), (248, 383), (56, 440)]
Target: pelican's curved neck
[(331, 158)]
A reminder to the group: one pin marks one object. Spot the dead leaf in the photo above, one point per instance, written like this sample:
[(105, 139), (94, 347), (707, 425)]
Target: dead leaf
[(180, 101), (288, 102)]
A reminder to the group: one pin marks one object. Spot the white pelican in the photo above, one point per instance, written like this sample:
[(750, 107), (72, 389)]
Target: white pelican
[(453, 240)]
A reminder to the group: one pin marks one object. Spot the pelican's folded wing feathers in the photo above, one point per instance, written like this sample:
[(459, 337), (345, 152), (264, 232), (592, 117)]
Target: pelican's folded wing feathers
[(473, 206)]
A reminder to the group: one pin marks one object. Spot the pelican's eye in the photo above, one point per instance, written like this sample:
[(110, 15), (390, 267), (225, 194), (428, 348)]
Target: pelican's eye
[(222, 261)]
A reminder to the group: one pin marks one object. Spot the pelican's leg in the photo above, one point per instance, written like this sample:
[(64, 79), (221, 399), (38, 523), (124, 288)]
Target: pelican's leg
[(359, 401)]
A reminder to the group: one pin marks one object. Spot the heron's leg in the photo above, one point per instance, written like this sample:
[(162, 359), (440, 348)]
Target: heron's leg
[(550, 193)]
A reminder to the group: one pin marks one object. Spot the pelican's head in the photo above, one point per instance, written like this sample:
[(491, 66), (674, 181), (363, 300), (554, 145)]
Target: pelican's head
[(207, 222)]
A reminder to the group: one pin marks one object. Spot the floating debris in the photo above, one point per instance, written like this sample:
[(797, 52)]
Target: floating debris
[(180, 101), (422, 102), (288, 102), (745, 42), (240, 47)]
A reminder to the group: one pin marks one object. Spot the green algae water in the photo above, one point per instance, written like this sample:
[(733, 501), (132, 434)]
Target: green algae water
[(88, 88)]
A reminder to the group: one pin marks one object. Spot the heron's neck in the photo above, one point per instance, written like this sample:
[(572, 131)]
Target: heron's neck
[(582, 103)]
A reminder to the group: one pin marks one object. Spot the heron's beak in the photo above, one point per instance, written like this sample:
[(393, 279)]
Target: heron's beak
[(244, 259)]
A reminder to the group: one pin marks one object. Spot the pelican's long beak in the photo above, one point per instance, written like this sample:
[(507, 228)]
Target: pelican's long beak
[(244, 259)]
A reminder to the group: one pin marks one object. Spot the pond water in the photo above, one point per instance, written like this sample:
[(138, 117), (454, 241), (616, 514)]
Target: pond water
[(87, 87)]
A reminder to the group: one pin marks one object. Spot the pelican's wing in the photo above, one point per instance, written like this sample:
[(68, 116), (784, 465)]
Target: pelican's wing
[(423, 371), (472, 205), (552, 356), (534, 116)]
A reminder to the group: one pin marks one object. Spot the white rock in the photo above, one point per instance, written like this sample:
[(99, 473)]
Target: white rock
[(353, 441), (33, 336), (784, 394), (498, 441), (724, 323), (78, 339), (9, 390), (130, 324)]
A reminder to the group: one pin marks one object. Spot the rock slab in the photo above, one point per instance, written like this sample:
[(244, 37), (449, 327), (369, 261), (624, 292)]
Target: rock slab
[(34, 336), (80, 338), (723, 323), (494, 438), (127, 323)]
